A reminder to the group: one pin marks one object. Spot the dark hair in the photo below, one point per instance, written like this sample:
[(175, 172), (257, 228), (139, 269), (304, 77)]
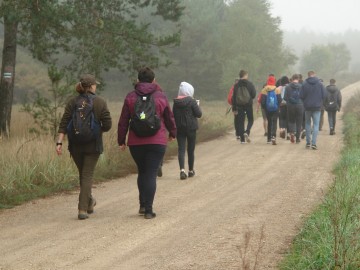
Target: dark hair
[(146, 75), (311, 73), (284, 80), (332, 81), (243, 73), (295, 77)]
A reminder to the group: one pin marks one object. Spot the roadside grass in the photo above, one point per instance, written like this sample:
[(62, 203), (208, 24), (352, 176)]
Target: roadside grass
[(330, 238), (30, 168)]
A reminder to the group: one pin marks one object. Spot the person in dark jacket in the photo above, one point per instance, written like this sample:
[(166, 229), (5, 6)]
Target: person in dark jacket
[(244, 110), (283, 116), (313, 95), (295, 108), (147, 152), (272, 116), (85, 155), (186, 112), (332, 103)]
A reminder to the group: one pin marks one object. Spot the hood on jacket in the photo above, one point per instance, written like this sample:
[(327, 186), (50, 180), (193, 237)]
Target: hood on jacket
[(144, 88), (269, 88), (186, 90), (295, 85), (313, 80), (331, 88), (183, 102)]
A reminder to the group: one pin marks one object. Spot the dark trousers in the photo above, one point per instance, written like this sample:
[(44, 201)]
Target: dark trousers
[(190, 138), (283, 117), (321, 120), (85, 163), (272, 118), (295, 116), (236, 125), (245, 111), (147, 158), (332, 119)]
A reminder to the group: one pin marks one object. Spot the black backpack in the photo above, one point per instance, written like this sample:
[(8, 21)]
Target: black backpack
[(242, 95), (332, 102), (145, 122), (83, 127)]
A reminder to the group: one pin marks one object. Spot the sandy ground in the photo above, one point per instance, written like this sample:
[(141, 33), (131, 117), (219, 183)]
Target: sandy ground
[(201, 222)]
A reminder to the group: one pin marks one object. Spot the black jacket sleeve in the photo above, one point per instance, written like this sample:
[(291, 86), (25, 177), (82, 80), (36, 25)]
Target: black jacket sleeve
[(234, 107), (339, 100), (196, 109), (252, 90)]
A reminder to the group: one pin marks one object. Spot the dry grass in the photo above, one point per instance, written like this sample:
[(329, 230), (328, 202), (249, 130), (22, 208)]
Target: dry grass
[(30, 168)]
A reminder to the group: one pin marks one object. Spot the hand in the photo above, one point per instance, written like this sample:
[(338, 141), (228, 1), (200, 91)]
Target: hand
[(171, 139), (122, 147), (59, 150), (235, 112)]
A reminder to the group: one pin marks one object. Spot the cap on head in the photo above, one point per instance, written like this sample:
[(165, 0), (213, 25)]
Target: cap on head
[(88, 80)]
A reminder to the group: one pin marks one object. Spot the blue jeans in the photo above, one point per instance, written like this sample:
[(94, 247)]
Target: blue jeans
[(315, 117)]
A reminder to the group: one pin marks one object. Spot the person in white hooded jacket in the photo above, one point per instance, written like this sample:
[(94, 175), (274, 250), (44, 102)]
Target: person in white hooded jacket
[(186, 112)]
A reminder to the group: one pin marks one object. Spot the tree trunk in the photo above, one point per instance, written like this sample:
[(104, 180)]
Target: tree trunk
[(7, 75)]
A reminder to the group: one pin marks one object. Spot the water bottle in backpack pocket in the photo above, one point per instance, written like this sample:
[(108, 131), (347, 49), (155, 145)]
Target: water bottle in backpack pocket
[(331, 104), (83, 127), (145, 122), (272, 104)]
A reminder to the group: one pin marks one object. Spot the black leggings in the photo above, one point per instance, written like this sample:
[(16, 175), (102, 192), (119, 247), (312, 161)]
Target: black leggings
[(190, 137), (243, 112), (272, 118), (296, 114), (147, 158)]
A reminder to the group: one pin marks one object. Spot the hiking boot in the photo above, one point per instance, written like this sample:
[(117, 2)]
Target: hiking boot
[(308, 146), (191, 174), (292, 138), (82, 215), (160, 172), (149, 215), (142, 211), (282, 134), (247, 139), (183, 175), (314, 147), (273, 141), (303, 134), (91, 206)]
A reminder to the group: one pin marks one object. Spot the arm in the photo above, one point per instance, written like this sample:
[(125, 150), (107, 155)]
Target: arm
[(123, 125), (105, 118), (234, 107), (263, 100), (340, 100), (169, 120), (252, 90), (196, 110), (63, 126)]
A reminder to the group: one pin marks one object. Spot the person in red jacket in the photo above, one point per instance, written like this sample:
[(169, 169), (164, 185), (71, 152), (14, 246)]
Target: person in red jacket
[(229, 100), (147, 152)]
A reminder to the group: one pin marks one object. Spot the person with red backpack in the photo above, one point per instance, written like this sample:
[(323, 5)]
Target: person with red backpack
[(236, 121), (146, 115), (270, 102), (85, 118), (332, 104), (242, 105)]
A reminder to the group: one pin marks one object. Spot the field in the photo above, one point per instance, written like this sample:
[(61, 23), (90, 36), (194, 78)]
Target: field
[(30, 168)]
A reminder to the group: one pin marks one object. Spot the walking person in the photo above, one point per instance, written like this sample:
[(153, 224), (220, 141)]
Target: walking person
[(186, 112), (146, 115), (263, 114), (85, 118), (313, 95), (283, 116), (295, 108), (332, 103), (242, 105), (270, 102), (236, 121)]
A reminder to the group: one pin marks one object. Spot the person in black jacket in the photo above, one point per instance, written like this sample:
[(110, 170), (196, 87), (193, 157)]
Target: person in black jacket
[(186, 112), (332, 104), (244, 108)]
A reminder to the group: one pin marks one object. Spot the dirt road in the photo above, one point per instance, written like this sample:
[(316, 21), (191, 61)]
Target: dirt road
[(201, 223)]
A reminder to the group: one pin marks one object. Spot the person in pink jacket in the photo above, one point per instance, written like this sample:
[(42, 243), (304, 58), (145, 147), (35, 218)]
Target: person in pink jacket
[(147, 151)]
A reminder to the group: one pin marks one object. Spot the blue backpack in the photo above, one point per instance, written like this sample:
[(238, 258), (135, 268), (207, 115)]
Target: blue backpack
[(83, 127), (272, 104)]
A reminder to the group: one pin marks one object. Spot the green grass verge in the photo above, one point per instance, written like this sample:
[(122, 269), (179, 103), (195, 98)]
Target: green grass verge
[(330, 238)]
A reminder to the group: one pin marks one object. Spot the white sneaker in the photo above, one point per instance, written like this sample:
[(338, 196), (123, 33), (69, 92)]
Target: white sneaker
[(247, 139)]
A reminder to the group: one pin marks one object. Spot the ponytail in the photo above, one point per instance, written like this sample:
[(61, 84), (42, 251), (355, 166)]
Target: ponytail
[(81, 89)]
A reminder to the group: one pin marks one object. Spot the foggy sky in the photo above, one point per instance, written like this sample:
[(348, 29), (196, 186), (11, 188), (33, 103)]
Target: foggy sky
[(318, 15)]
